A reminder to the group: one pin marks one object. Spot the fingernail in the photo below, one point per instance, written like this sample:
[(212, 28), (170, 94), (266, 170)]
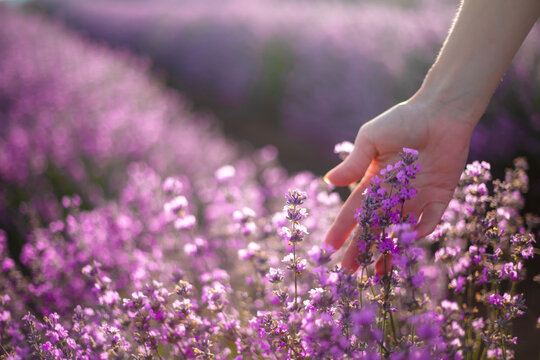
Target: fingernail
[(326, 180)]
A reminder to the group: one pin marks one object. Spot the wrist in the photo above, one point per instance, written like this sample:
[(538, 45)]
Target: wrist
[(455, 102)]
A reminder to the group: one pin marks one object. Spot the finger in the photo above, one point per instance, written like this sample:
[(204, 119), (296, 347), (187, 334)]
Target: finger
[(344, 223), (431, 215), (349, 262), (355, 165)]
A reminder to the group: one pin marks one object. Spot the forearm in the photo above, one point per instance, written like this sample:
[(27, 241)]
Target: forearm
[(478, 50)]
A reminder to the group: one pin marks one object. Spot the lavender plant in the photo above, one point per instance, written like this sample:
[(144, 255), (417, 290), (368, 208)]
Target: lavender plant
[(210, 264), (70, 129), (170, 292)]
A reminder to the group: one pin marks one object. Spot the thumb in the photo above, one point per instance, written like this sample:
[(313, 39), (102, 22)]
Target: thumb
[(355, 165)]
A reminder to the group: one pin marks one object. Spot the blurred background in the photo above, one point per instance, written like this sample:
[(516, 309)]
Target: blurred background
[(304, 75)]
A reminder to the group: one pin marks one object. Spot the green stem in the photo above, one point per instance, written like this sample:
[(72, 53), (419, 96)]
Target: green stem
[(503, 346), (393, 326), (384, 327), (146, 349), (383, 347), (484, 352), (513, 288), (4, 349), (295, 279), (476, 348), (469, 296), (413, 329), (372, 291), (467, 337), (361, 289)]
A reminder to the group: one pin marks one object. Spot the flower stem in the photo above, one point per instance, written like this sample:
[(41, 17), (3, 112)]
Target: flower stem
[(295, 278), (393, 326), (361, 288)]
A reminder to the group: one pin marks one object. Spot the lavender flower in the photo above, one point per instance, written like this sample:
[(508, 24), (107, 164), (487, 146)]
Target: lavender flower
[(117, 279)]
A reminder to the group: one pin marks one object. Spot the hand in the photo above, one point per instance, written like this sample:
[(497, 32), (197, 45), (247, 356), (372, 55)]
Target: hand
[(442, 139)]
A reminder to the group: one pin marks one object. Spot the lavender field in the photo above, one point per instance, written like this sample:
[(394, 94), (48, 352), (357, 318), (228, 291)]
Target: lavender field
[(131, 227), (309, 73), (290, 76)]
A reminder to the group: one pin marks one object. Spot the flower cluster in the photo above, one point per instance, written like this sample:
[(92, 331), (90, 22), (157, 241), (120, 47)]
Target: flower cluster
[(383, 207), (73, 130), (483, 244)]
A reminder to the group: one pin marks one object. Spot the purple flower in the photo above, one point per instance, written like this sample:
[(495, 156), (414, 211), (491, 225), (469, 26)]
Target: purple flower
[(389, 245), (295, 197), (7, 264), (275, 275), (343, 149), (225, 173), (495, 300), (190, 294)]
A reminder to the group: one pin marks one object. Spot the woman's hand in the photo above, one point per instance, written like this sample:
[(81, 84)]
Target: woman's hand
[(438, 121), (442, 140)]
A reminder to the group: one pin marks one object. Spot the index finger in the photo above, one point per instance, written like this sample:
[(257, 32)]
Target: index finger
[(345, 222), (355, 165)]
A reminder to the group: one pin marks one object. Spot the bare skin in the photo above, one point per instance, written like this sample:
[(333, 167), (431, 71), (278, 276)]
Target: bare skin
[(439, 119), (443, 149)]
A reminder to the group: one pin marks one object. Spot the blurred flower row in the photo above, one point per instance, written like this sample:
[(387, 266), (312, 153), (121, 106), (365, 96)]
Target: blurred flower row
[(308, 73), (74, 114)]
